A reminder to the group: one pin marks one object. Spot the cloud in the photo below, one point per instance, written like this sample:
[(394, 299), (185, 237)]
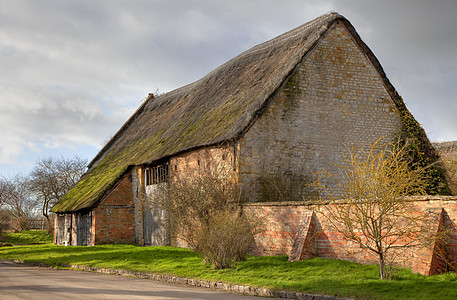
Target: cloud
[(53, 118)]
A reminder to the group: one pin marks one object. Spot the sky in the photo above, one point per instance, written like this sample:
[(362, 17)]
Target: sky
[(72, 72)]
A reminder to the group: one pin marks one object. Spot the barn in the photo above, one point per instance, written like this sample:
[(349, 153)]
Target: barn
[(281, 110)]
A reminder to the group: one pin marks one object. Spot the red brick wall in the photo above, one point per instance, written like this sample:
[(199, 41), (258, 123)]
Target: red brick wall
[(113, 219), (282, 221), (449, 219)]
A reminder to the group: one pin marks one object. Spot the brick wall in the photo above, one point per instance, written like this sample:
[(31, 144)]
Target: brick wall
[(335, 100), (283, 221), (113, 219), (211, 161)]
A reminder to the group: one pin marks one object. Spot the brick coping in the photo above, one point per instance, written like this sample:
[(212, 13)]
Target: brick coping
[(216, 285), (309, 203)]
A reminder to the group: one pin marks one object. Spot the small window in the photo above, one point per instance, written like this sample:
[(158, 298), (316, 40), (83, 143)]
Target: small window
[(158, 174), (148, 176)]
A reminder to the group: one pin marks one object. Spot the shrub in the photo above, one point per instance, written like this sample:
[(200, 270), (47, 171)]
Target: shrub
[(5, 220), (205, 214), (19, 224), (227, 239)]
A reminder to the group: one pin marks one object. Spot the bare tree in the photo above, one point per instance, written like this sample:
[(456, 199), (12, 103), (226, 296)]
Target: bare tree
[(16, 199), (373, 212), (52, 178), (3, 220), (2, 191)]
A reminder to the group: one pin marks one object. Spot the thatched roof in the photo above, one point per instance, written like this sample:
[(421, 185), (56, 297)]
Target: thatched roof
[(448, 148), (218, 108)]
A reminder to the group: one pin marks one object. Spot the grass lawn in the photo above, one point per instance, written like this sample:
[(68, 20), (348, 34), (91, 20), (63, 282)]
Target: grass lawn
[(322, 276), (27, 237)]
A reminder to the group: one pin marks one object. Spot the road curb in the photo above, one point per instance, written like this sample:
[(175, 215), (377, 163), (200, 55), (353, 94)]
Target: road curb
[(216, 285)]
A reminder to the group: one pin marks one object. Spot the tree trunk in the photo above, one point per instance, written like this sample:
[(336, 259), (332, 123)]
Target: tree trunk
[(50, 226), (382, 266)]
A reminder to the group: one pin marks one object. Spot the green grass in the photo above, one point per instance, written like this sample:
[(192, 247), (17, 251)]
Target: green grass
[(27, 237), (320, 276)]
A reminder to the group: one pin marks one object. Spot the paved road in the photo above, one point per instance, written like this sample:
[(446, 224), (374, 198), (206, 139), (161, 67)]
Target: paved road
[(25, 282)]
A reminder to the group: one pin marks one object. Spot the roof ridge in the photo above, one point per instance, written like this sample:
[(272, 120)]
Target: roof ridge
[(300, 30)]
